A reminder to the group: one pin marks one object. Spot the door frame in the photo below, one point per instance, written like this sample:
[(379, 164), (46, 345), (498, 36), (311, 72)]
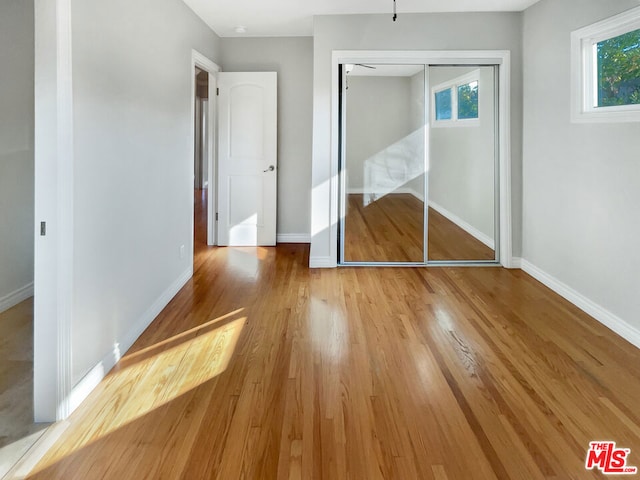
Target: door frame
[(53, 169), (203, 63), (502, 58)]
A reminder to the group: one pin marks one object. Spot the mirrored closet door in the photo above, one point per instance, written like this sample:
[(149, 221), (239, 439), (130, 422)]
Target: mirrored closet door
[(410, 133), (462, 164), (383, 163)]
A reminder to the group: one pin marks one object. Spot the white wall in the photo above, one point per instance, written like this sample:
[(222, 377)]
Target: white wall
[(417, 100), (378, 115), (132, 94), (455, 31), (292, 58), (16, 151), (462, 159), (418, 121), (581, 181)]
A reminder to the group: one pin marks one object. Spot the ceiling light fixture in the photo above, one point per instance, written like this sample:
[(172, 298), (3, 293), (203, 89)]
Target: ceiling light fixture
[(395, 15), (241, 29)]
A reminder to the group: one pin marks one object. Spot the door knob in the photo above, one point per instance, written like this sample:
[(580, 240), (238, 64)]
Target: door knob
[(270, 169)]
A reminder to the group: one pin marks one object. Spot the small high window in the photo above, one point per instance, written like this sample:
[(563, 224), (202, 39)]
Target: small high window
[(455, 102), (606, 70)]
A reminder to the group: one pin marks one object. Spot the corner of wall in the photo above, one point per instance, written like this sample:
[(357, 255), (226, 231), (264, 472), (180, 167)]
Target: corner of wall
[(14, 298), (516, 263), (322, 262)]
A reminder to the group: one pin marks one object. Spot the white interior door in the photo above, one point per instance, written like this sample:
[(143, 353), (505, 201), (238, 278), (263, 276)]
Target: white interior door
[(247, 158)]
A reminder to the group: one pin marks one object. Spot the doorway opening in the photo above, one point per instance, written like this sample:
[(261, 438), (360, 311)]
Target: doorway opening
[(200, 159), (203, 184)]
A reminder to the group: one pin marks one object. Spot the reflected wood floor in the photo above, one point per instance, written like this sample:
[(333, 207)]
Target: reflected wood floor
[(200, 217), (447, 241), (261, 368), (391, 230)]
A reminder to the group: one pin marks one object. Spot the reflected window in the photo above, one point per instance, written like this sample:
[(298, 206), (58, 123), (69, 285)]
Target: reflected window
[(456, 101), (468, 100), (443, 105)]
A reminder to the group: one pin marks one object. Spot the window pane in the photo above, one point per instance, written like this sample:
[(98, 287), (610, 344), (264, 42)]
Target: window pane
[(443, 105), (468, 101), (619, 70)]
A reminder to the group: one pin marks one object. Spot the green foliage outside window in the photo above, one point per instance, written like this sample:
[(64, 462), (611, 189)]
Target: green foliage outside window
[(468, 101), (619, 70)]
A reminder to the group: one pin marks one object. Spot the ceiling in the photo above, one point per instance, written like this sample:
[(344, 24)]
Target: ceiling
[(295, 17), (358, 70)]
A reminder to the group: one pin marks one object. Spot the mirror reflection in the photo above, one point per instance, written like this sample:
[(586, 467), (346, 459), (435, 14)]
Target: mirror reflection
[(383, 162), (462, 162)]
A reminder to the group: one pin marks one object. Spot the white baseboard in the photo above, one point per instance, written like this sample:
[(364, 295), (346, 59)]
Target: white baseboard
[(516, 262), (15, 297), (322, 262), (84, 387), (293, 238), (418, 195), (608, 319), (467, 227)]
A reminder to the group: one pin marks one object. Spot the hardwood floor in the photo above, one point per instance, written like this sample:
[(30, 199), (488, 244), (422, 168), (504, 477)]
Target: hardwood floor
[(447, 241), (18, 432), (200, 217), (261, 368), (391, 230)]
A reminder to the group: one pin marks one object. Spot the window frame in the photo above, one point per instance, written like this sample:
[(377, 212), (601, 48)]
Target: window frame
[(584, 70), (453, 85)]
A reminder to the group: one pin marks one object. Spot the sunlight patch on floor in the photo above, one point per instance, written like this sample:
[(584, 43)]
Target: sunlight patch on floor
[(150, 379)]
